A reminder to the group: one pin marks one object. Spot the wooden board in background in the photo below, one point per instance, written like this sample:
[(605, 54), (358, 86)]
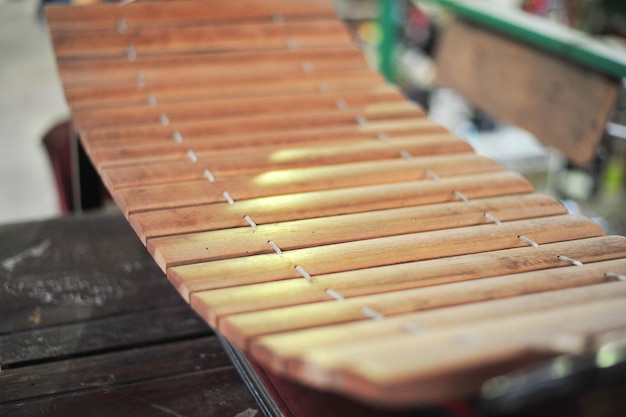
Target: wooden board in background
[(565, 105)]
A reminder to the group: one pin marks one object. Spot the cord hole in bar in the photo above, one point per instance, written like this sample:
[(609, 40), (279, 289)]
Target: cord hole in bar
[(404, 154), (493, 219), (570, 260), (192, 156), (141, 80), (209, 175), (430, 174), (131, 53), (275, 247), (372, 314), (250, 221), (306, 66), (228, 197), (278, 18), (615, 277), (177, 136), (304, 273), (467, 338), (361, 120), (337, 296), (413, 328), (292, 44), (460, 196), (122, 26), (529, 241)]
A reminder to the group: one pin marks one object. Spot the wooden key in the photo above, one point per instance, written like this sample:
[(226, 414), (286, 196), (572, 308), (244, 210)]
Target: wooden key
[(242, 328), (437, 365), (118, 96), (376, 252), (221, 244), (505, 295), (229, 164), (294, 143), (377, 120), (189, 39), (324, 203), (299, 180), (147, 72), (214, 109)]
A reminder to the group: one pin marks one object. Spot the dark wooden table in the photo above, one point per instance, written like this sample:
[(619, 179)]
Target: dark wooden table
[(89, 326)]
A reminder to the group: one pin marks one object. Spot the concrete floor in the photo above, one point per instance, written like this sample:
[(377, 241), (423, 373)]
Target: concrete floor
[(31, 102)]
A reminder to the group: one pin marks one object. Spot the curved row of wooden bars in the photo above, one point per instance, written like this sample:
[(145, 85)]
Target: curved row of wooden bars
[(313, 215)]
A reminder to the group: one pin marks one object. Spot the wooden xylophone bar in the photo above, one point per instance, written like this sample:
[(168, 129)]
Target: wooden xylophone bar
[(316, 218)]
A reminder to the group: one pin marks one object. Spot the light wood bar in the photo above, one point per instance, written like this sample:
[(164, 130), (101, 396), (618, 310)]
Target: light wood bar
[(439, 365), (376, 252), (204, 246), (167, 13), (189, 39), (299, 180), (377, 120), (504, 295), (242, 328), (88, 97), (194, 110), (224, 163), (146, 72), (323, 203)]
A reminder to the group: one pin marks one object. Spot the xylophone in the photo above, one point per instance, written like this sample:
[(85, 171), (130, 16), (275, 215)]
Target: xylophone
[(315, 217)]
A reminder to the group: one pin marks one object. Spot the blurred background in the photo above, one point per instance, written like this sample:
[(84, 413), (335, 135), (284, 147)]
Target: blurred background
[(32, 103)]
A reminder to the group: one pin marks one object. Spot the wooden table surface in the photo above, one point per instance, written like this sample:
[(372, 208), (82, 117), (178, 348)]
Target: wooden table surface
[(90, 326)]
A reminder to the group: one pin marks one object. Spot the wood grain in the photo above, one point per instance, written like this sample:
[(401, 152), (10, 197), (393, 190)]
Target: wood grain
[(324, 203), (226, 163), (376, 252), (256, 297), (121, 368), (220, 244), (189, 39), (241, 328), (426, 363), (299, 180), (147, 72), (505, 295), (101, 97), (293, 143), (212, 109), (86, 316), (378, 120), (98, 17)]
